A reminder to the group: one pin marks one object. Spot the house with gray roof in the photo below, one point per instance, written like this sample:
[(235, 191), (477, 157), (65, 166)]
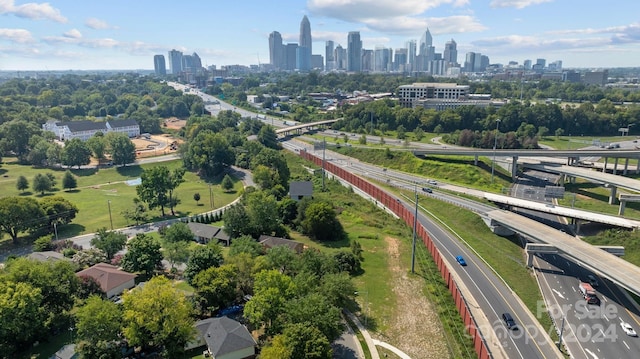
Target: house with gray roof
[(225, 338), (204, 233), (85, 129), (270, 242), (300, 189)]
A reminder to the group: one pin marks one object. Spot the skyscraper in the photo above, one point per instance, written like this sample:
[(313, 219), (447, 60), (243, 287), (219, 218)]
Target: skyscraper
[(290, 56), (175, 61), (451, 52), (340, 58), (276, 51), (382, 59), (329, 56), (400, 60), (411, 55), (159, 65), (354, 52), (303, 61), (427, 52)]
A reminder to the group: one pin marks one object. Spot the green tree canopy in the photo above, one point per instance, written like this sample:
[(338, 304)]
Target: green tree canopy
[(177, 232), (69, 180), (76, 153), (42, 183), (272, 290), (98, 324), (109, 242), (58, 210), (208, 153), (20, 214), (157, 185), (201, 258), (121, 148), (216, 286), (321, 222), (143, 255), (22, 183), (21, 314)]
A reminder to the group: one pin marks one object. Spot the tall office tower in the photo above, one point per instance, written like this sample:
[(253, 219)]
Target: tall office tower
[(484, 62), (555, 66), (367, 60), (276, 51), (451, 52), (541, 63), (477, 63), (304, 46), (470, 61), (159, 65), (341, 58), (411, 55), (191, 63), (329, 56), (175, 61), (400, 60), (354, 52), (382, 59), (317, 62), (290, 56), (527, 64), (427, 52)]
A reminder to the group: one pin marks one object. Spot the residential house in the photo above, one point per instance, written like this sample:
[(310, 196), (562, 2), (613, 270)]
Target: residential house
[(300, 189), (84, 130), (204, 233), (225, 338), (270, 242), (112, 280)]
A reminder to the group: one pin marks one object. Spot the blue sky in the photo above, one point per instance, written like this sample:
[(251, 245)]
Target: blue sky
[(117, 34)]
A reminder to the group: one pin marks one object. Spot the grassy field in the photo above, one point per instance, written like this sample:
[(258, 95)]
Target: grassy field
[(104, 191)]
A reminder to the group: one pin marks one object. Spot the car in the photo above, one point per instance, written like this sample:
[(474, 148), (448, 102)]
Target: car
[(628, 330), (592, 280), (508, 320), (427, 189), (461, 261), (432, 182)]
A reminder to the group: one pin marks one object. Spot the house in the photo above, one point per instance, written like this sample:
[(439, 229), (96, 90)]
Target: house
[(68, 351), (203, 233), (270, 242), (300, 189), (112, 280), (84, 130), (225, 338)]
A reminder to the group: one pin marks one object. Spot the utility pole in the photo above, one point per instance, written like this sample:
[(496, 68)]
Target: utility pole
[(561, 330), (324, 146), (415, 232), (210, 197), (110, 218)]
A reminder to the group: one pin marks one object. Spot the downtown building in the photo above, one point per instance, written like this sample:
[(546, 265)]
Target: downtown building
[(159, 65), (354, 52)]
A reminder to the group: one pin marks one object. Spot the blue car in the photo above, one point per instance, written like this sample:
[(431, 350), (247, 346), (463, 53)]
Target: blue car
[(461, 261)]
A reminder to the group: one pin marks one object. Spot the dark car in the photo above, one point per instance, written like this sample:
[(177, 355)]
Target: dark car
[(508, 320), (427, 189), (461, 260)]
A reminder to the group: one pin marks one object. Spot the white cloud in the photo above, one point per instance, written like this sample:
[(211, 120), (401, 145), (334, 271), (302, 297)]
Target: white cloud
[(73, 34), (363, 10), (33, 11), (16, 35), (518, 4), (97, 24), (437, 25)]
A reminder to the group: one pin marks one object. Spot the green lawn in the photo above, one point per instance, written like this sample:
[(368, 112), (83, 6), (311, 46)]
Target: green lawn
[(104, 191)]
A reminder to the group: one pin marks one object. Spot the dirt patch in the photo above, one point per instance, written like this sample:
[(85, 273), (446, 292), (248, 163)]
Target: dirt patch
[(415, 327), (174, 123)]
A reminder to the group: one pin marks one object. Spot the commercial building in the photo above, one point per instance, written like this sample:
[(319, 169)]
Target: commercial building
[(303, 53), (276, 51), (84, 130), (354, 52), (175, 61), (159, 65), (410, 95)]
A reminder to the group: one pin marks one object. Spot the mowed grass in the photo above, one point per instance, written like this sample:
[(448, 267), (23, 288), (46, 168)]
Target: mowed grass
[(102, 192), (595, 198)]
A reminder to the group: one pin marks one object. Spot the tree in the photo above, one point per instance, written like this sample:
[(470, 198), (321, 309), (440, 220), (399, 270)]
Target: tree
[(321, 222), (196, 197), (272, 290), (201, 258), (245, 244), (76, 153), (109, 242), (419, 133), (22, 184), (267, 136), (89, 257), (216, 286), (363, 139), (158, 315), (69, 180), (98, 325), (157, 186), (227, 183), (137, 213), (58, 211), (98, 145), (298, 341), (21, 314), (236, 220), (18, 214), (16, 135), (175, 252), (209, 153), (122, 150), (143, 255), (42, 183), (315, 310), (177, 232)]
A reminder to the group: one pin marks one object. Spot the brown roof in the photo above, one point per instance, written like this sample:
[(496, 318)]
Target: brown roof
[(270, 242), (106, 275)]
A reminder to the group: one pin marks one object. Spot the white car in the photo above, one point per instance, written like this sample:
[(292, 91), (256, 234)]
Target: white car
[(626, 327)]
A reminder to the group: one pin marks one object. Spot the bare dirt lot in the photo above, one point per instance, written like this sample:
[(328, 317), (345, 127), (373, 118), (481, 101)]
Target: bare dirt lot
[(415, 328), (174, 123)]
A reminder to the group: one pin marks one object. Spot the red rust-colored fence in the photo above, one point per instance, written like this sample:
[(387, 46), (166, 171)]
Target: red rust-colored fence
[(407, 216)]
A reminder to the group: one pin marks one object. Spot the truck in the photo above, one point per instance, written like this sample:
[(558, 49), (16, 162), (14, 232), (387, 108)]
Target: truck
[(588, 293)]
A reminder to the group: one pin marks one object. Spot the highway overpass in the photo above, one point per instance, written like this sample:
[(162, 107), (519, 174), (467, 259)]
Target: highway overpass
[(617, 270), (303, 126), (460, 151)]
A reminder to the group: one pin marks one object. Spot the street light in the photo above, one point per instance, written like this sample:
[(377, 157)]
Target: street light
[(110, 218), (495, 145)]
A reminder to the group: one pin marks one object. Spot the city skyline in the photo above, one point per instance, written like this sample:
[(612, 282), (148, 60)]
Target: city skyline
[(59, 35)]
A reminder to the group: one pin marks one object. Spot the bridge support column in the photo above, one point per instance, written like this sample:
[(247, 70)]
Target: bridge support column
[(626, 166), (623, 204), (529, 259), (514, 168), (612, 196), (475, 160), (615, 166), (604, 168), (577, 225), (638, 167)]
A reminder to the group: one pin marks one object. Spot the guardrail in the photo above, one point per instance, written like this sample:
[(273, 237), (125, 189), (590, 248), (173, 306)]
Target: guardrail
[(407, 216)]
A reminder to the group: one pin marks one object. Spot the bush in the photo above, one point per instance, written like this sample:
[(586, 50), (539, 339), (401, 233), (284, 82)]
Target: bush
[(43, 243)]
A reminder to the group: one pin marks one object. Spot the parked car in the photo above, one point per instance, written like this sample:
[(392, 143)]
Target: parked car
[(461, 261), (626, 327)]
